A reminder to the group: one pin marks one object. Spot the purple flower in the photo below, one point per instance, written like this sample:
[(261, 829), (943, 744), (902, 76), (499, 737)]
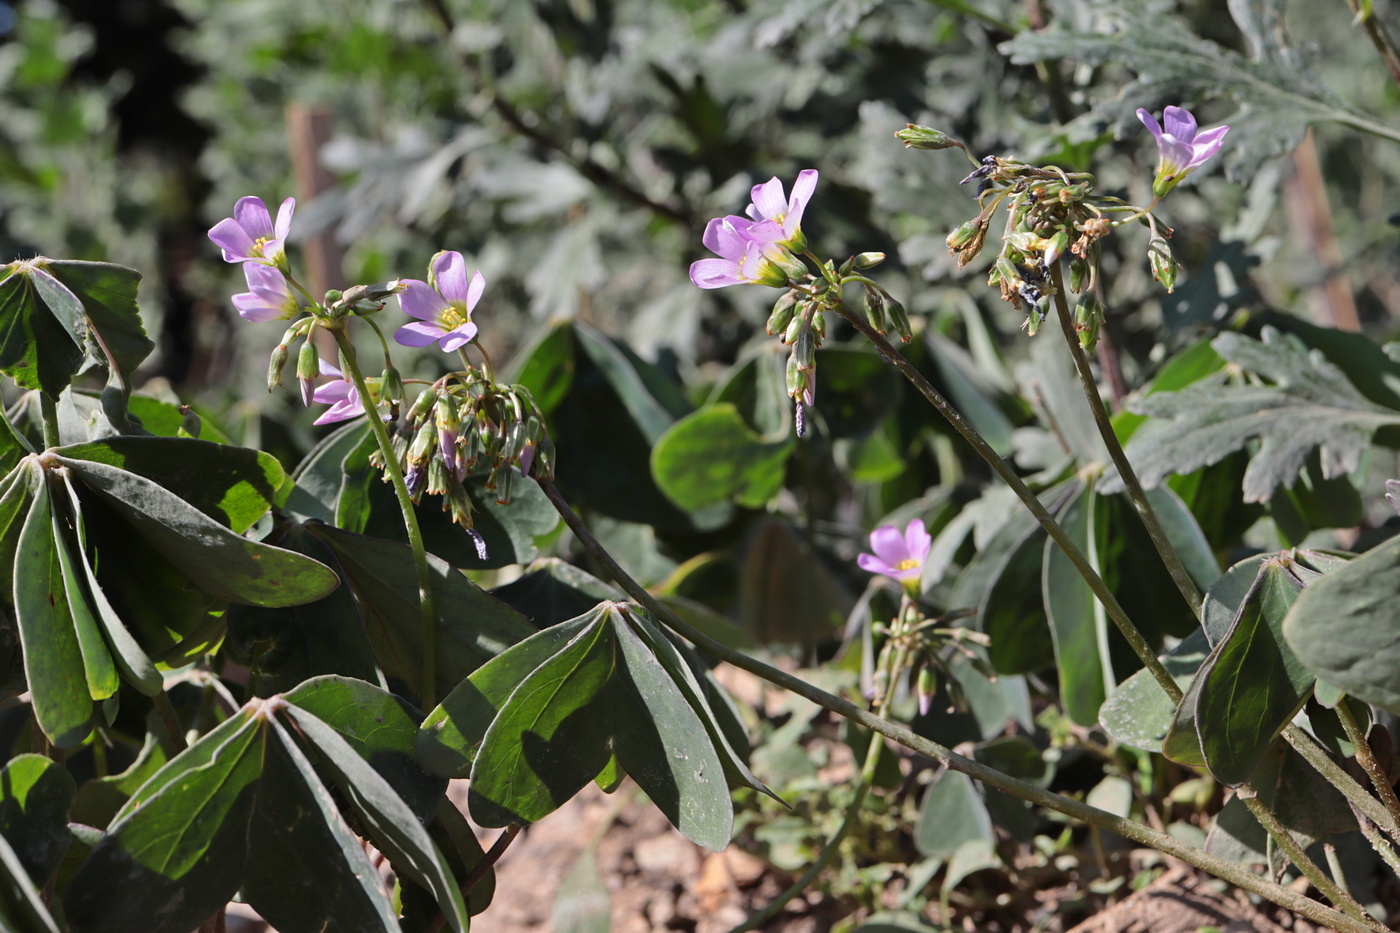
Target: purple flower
[(899, 556), (748, 251), (444, 308), (251, 236), (269, 297), (1182, 148), (340, 394), (769, 204)]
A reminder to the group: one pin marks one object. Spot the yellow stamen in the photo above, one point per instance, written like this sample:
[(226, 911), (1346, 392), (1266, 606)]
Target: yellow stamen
[(451, 319), (908, 563)]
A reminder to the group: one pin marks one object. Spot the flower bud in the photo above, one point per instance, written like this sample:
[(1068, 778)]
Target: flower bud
[(391, 390), (899, 319), (190, 422), (796, 326), (1055, 247), (783, 310), (449, 428), (422, 406), (544, 457), (868, 260), (1159, 257), (927, 685), (915, 136), (797, 376), (423, 444), (1078, 273), (962, 236), (1088, 318), (308, 368), (438, 471), (275, 364), (875, 310), (1034, 318), (819, 326)]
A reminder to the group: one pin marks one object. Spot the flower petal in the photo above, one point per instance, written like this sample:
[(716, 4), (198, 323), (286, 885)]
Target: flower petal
[(1207, 144), (457, 337), (917, 541), (768, 199), (1149, 121), (715, 273), (284, 219), (1178, 123), (888, 544), (874, 565), (450, 274), (418, 334), (420, 300), (475, 289), (253, 307), (251, 214), (230, 237)]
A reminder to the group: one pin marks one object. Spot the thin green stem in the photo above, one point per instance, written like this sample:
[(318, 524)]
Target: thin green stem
[(428, 688), (1285, 841), (48, 411), (1179, 574), (1356, 795), (1377, 841), (833, 844), (1367, 759), (1376, 32), (1237, 875), (1042, 515)]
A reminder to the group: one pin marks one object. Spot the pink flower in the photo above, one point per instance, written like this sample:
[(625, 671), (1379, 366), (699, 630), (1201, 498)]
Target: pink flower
[(269, 297), (769, 204), (747, 252), (1181, 147), (444, 308), (899, 556), (251, 236), (340, 394)]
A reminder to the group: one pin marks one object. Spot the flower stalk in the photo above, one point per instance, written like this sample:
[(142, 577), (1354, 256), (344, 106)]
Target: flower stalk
[(428, 689)]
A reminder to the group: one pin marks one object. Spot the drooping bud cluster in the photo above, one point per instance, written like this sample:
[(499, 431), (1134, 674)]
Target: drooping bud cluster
[(466, 424)]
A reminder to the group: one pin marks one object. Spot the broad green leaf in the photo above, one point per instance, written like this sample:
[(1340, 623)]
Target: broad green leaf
[(546, 365), (53, 660), (1222, 601), (552, 591), (306, 870), (711, 457), (284, 646), (473, 627), (1191, 365), (232, 485), (175, 853), (453, 834), (1344, 629), (1251, 685), (756, 386), (654, 401), (1308, 405), (665, 745), (135, 665), (321, 473), (389, 821), (856, 389), (380, 727), (969, 392), (551, 736), (99, 799), (1012, 614), (221, 563), (16, 495), (1078, 623), (452, 733), (1278, 87), (786, 593), (22, 908), (35, 794), (1139, 712), (951, 814), (37, 346), (101, 670)]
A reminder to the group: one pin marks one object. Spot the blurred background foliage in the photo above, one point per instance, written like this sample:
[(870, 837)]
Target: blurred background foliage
[(574, 149)]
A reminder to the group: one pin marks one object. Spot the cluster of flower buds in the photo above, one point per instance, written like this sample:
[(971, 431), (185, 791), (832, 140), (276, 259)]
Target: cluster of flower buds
[(465, 424)]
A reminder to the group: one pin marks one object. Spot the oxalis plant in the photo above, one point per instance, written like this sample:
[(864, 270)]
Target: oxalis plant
[(142, 562)]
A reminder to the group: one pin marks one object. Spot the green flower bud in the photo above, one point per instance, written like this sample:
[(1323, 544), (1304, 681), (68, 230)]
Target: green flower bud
[(1056, 246), (962, 236), (819, 326), (1088, 318), (424, 443), (797, 376), (868, 260), (1159, 257), (190, 422), (900, 319), (927, 686), (875, 310), (783, 310), (795, 327), (915, 136), (423, 405), (275, 364), (1078, 273), (1034, 319), (308, 361), (391, 389)]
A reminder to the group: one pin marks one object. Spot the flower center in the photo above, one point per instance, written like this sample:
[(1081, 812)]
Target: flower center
[(908, 563), (450, 318), (258, 245)]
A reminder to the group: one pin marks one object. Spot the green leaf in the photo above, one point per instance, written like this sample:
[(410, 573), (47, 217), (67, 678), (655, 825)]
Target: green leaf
[(391, 824), (711, 457), (16, 496), (666, 746), (100, 798), (1309, 405), (452, 734), (1278, 87), (101, 670), (176, 851), (321, 473), (1344, 628), (1252, 684), (306, 870), (551, 736), (856, 389), (35, 794), (1078, 624), (786, 593), (36, 349), (1139, 712), (473, 627), (546, 365), (1012, 614), (380, 727), (756, 385), (552, 591), (135, 665), (284, 646), (951, 814), (232, 485), (218, 561), (53, 660), (969, 392)]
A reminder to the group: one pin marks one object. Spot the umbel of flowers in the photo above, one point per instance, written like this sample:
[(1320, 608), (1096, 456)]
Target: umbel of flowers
[(1051, 214), (768, 247), (461, 424)]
